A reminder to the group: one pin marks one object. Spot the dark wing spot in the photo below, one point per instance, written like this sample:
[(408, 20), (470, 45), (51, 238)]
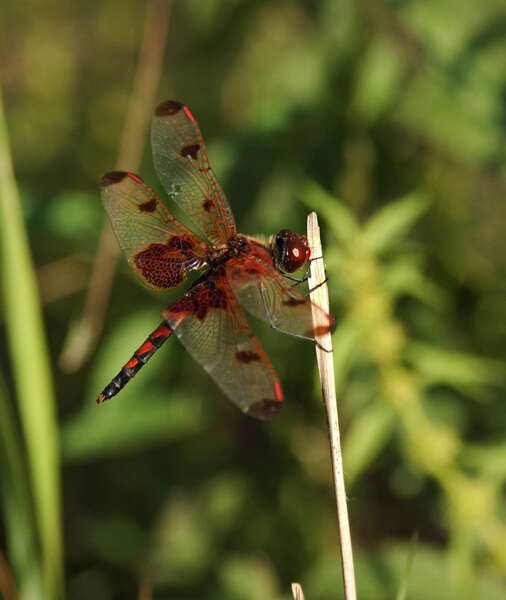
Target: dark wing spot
[(112, 177), (158, 265), (148, 206), (207, 205), (190, 150), (264, 409), (294, 301), (180, 243), (168, 107), (321, 330), (247, 356)]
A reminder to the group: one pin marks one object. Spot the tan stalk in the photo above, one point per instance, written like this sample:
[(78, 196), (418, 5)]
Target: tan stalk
[(320, 297), (297, 592)]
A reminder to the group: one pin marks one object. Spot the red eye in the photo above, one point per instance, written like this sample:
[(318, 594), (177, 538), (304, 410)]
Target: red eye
[(290, 250)]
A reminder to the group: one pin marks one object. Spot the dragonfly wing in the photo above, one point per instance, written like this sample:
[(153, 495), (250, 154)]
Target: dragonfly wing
[(157, 246), (182, 165), (214, 329), (265, 294)]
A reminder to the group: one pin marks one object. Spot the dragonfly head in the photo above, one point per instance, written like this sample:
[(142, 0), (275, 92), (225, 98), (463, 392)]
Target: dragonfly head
[(290, 250)]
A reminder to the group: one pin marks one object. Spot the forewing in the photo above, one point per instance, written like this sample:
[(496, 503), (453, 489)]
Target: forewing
[(214, 330), (181, 162), (157, 246), (265, 293)]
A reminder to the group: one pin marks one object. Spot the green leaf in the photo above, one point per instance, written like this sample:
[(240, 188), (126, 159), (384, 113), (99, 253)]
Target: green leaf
[(379, 570), (378, 79), (334, 213), (30, 361), (74, 215), (258, 572), (365, 438), (403, 587), (131, 422), (404, 276), (389, 224), (486, 459), (439, 365), (181, 545), (15, 495), (346, 343)]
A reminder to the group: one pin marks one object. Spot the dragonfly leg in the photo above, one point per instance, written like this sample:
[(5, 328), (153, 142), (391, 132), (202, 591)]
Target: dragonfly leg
[(305, 278), (329, 351), (298, 280), (138, 360), (318, 285)]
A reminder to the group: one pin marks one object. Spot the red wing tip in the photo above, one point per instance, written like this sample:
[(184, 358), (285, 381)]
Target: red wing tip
[(265, 409), (112, 178), (168, 107), (101, 399), (188, 113)]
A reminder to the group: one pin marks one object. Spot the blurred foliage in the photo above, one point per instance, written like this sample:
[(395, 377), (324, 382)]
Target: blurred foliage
[(36, 403), (388, 119)]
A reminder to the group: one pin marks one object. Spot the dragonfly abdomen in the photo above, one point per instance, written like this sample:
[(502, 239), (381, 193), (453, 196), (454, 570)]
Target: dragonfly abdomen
[(138, 360)]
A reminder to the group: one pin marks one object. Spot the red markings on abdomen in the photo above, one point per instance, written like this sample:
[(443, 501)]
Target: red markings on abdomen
[(162, 331), (131, 363), (135, 364), (146, 347)]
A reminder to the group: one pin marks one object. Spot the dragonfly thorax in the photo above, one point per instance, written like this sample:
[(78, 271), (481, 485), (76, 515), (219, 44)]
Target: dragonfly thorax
[(236, 245)]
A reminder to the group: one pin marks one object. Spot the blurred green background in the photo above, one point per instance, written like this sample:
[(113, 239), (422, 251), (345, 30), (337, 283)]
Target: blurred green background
[(386, 117)]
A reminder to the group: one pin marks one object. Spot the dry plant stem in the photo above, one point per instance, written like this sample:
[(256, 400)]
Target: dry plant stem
[(297, 592), (325, 361), (82, 336), (62, 278)]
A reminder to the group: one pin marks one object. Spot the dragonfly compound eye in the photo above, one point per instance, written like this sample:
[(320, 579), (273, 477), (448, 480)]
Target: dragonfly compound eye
[(290, 250)]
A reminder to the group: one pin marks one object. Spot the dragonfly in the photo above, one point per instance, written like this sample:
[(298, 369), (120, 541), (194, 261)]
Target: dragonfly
[(235, 274)]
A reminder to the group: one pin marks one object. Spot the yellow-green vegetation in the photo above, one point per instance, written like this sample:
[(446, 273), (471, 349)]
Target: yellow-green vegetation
[(388, 120)]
